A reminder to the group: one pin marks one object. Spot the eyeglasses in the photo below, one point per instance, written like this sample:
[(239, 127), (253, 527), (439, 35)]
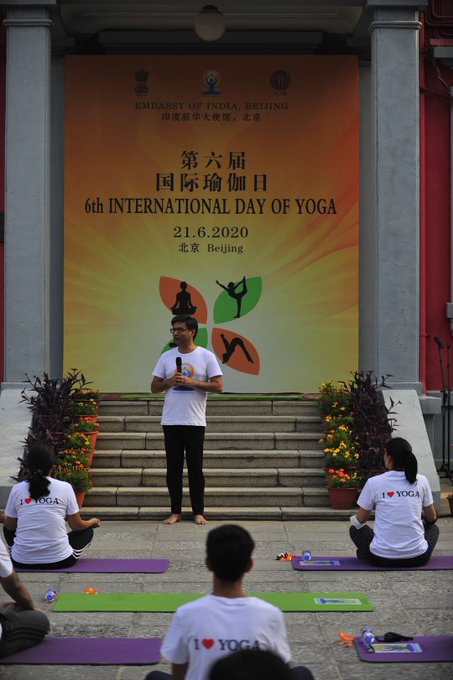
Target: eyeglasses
[(174, 331)]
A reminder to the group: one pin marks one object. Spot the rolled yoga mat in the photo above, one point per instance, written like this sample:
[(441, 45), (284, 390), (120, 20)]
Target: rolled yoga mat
[(111, 565), (422, 648), (169, 602), (93, 651), (342, 563)]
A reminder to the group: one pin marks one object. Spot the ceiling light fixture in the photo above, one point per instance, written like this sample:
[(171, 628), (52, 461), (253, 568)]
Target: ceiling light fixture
[(209, 23)]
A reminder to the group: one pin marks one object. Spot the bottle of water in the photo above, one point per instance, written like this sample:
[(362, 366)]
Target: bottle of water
[(368, 637), (51, 595), (307, 555)]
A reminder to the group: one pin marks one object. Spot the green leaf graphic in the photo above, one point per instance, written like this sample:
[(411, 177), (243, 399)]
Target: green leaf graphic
[(237, 301)]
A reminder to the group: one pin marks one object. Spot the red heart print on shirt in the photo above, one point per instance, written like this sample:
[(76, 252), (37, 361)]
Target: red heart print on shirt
[(28, 500), (390, 493), (208, 642)]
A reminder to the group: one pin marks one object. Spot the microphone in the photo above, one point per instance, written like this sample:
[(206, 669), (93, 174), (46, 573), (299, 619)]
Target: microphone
[(178, 364), (439, 342)]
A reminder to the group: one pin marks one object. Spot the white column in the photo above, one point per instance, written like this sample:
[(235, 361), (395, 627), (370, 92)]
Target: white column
[(27, 191), (395, 180)]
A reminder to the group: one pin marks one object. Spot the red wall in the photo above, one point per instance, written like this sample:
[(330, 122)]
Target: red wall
[(2, 192), (435, 208)]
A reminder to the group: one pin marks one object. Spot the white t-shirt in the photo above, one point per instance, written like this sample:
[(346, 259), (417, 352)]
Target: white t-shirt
[(6, 568), (186, 405), (41, 529), (398, 528), (212, 627)]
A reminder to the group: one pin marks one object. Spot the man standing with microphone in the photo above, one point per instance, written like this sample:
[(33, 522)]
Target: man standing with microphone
[(186, 374)]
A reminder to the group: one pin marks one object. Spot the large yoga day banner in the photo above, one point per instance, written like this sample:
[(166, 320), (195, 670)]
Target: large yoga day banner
[(221, 186)]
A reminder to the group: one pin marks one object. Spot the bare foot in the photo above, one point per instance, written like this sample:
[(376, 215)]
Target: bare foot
[(199, 519), (172, 519)]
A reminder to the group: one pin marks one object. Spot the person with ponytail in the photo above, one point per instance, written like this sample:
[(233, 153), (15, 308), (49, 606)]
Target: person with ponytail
[(36, 513), (398, 497)]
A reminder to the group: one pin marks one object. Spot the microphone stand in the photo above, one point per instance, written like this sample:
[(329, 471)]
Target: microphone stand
[(448, 471), (446, 404)]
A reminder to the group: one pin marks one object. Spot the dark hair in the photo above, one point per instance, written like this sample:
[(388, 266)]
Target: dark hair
[(190, 321), (403, 459), (250, 664), (228, 549), (40, 458)]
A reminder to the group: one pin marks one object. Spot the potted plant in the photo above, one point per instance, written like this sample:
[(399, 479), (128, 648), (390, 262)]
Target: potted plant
[(78, 444), (334, 400), (77, 475), (50, 399), (340, 448), (373, 421), (86, 408), (76, 457), (357, 422), (87, 393), (89, 428), (343, 486)]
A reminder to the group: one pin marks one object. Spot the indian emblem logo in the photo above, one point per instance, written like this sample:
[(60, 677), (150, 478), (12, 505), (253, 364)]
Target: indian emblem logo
[(211, 80), (280, 81)]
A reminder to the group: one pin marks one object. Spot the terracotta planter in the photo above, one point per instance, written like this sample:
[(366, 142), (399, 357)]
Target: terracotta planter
[(342, 499), (92, 436), (80, 497)]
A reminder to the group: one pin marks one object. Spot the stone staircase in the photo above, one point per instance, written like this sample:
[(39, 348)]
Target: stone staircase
[(262, 460)]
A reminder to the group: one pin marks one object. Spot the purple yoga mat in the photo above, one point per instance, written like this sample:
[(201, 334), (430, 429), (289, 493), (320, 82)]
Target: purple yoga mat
[(344, 563), (93, 651), (434, 648), (107, 565)]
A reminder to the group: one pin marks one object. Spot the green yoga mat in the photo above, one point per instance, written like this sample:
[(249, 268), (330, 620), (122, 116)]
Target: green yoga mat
[(169, 602)]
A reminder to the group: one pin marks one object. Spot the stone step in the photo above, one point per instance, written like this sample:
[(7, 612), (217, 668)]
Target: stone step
[(225, 423), (157, 514), (244, 459), (262, 460), (214, 497), (213, 440), (268, 477), (216, 406)]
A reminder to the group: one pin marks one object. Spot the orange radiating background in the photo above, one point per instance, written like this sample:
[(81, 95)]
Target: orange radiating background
[(116, 314)]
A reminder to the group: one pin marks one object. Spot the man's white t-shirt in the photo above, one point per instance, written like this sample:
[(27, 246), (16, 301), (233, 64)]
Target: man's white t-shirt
[(212, 627), (398, 528), (6, 568), (186, 405), (41, 534)]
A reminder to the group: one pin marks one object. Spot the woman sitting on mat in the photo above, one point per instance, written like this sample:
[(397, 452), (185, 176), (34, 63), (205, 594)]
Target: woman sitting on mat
[(400, 537), (35, 515)]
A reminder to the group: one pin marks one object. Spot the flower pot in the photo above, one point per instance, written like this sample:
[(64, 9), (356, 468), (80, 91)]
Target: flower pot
[(93, 436), (80, 496), (342, 499)]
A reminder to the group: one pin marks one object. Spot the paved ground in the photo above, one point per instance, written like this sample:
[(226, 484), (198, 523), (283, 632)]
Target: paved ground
[(411, 602)]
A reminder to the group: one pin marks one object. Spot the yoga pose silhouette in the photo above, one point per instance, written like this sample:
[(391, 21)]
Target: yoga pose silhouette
[(183, 303), (232, 291), (230, 347)]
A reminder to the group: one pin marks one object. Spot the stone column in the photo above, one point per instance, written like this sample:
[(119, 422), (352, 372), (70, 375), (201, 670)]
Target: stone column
[(394, 293), (27, 191)]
